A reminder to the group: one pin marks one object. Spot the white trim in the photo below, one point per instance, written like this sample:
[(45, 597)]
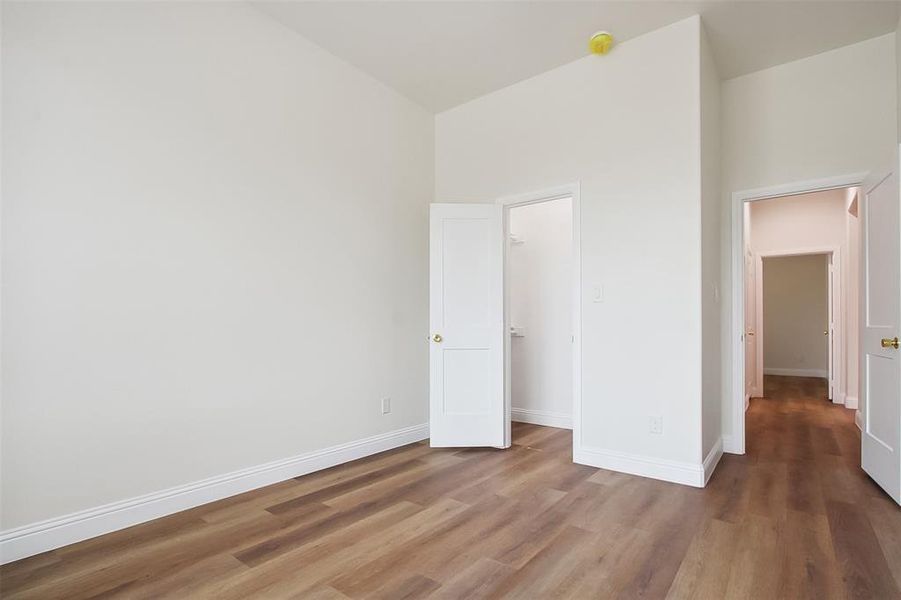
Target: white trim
[(573, 191), (852, 402), (822, 373), (712, 459), (29, 540), (858, 419), (738, 275), (728, 445), (656, 468), (543, 417)]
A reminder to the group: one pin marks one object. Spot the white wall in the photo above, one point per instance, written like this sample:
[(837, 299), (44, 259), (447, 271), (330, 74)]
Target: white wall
[(710, 245), (795, 313), (214, 250), (826, 115), (816, 220), (541, 292), (591, 121)]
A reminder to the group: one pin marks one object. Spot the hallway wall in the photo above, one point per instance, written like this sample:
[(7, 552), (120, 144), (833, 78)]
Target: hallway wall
[(795, 312)]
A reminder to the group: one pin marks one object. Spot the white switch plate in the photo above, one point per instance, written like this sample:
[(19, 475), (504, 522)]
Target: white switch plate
[(597, 293), (386, 406), (655, 425)]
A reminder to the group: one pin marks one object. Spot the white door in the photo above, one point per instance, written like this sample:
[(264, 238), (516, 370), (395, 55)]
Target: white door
[(829, 327), (466, 315), (750, 325), (880, 311)]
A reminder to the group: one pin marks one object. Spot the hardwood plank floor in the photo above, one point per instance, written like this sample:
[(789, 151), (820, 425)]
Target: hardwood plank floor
[(795, 517)]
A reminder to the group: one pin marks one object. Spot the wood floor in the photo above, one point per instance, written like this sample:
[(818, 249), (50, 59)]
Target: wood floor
[(793, 518)]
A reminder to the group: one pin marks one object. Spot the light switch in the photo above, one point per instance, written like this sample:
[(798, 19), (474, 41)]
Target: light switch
[(597, 293)]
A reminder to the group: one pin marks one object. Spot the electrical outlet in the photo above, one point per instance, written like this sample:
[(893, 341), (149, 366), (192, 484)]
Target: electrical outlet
[(386, 406), (655, 425)]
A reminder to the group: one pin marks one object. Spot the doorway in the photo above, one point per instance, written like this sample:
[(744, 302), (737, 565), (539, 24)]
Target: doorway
[(796, 318), (542, 309), (791, 233), (470, 313), (538, 265)]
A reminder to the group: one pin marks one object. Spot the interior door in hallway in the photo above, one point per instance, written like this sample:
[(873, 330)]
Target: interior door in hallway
[(466, 314), (750, 326), (880, 317), (829, 327)]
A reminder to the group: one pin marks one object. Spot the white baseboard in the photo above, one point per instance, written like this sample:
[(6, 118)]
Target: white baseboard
[(797, 372), (645, 466), (858, 419), (838, 397), (712, 459), (730, 446), (40, 537), (851, 402), (542, 417)]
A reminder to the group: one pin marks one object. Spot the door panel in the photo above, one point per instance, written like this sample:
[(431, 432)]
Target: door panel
[(466, 398), (830, 326), (880, 317), (750, 326)]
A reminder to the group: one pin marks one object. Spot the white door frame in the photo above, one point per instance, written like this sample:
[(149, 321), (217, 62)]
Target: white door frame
[(736, 444), (508, 202), (838, 333)]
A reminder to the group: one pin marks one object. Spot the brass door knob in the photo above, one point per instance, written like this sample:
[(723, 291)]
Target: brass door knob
[(437, 338), (890, 342)]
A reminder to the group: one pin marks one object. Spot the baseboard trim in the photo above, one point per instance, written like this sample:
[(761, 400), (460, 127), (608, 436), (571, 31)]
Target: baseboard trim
[(542, 417), (851, 402), (797, 372), (644, 466), (858, 420), (712, 459), (29, 540)]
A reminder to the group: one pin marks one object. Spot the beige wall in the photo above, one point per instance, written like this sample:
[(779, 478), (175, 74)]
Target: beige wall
[(796, 122), (795, 313)]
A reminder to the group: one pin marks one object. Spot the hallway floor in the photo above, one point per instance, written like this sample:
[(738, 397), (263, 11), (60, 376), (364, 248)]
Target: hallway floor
[(793, 518)]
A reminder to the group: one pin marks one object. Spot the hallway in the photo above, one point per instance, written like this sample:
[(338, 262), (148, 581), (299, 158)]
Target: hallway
[(807, 520), (794, 518)]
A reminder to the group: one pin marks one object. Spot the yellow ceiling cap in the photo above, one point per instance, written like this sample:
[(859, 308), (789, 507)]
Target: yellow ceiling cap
[(600, 43)]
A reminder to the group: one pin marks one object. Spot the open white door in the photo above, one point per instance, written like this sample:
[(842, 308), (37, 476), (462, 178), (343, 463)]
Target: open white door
[(466, 315), (829, 330), (880, 311)]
